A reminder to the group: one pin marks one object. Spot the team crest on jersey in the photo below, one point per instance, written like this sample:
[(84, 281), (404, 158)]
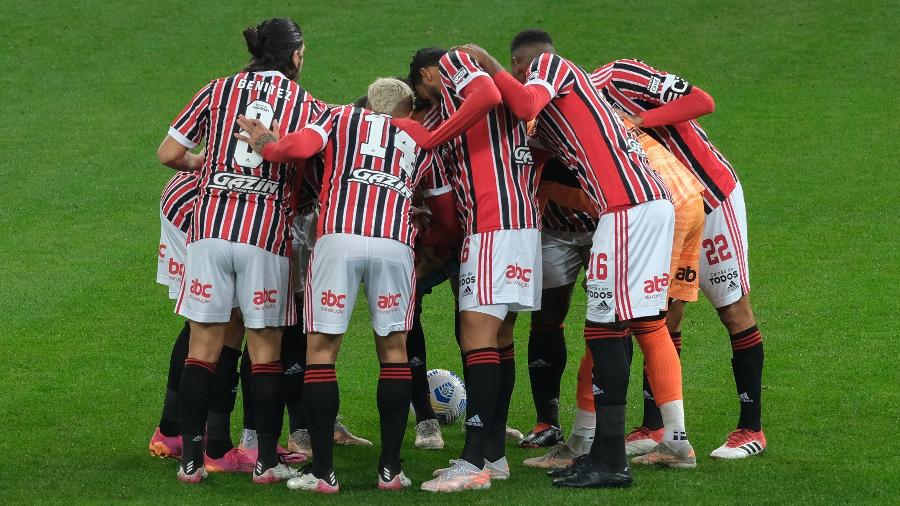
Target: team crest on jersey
[(383, 179), (243, 183)]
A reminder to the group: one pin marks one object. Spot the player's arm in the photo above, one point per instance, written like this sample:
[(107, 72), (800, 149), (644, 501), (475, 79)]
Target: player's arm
[(524, 100), (677, 100), (691, 106), (188, 129), (477, 90), (293, 147), (172, 153)]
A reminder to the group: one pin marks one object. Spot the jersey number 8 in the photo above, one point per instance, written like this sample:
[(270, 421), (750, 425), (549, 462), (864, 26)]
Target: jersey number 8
[(243, 153)]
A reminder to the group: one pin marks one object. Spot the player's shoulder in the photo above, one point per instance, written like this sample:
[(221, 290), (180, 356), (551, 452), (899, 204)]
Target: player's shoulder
[(631, 65)]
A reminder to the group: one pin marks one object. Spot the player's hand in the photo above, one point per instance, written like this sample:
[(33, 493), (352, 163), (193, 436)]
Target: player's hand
[(487, 62), (635, 120), (257, 135), (421, 217)]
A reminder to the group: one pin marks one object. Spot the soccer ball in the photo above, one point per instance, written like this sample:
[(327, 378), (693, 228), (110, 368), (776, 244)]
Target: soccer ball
[(448, 395)]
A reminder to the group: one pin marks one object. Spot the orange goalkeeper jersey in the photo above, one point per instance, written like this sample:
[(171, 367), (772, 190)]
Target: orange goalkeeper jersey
[(683, 186)]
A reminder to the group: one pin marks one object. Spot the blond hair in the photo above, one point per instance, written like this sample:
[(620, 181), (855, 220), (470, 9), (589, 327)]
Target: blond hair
[(390, 96)]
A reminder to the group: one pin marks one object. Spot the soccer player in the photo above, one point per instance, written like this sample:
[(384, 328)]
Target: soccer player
[(239, 240), (372, 164), (666, 107), (566, 240), (627, 277), (645, 441), (175, 211), (493, 178)]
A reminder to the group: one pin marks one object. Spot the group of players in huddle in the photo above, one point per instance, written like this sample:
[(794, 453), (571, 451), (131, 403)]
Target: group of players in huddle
[(506, 183)]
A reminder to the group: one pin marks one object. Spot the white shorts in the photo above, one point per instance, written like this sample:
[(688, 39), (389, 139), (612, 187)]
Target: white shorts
[(218, 273), (304, 232), (170, 261), (339, 263), (628, 270), (501, 268), (724, 271), (564, 254)]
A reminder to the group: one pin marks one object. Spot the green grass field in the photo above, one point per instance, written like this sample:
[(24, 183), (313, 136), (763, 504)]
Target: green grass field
[(806, 105)]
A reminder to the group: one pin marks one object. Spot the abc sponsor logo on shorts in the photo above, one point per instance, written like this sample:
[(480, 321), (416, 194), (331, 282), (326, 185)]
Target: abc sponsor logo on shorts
[(388, 303), (162, 251), (516, 275), (686, 274), (333, 302), (656, 287), (265, 299), (176, 270), (201, 292)]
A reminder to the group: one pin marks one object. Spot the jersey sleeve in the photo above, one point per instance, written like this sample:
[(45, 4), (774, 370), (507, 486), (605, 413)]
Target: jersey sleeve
[(458, 69), (191, 125), (552, 72), (635, 79), (324, 124)]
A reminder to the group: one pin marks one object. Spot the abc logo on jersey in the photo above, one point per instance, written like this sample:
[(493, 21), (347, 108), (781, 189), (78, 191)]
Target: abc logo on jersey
[(333, 302), (388, 303), (518, 275)]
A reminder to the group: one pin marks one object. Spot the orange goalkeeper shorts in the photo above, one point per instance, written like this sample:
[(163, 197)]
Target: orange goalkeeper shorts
[(684, 282)]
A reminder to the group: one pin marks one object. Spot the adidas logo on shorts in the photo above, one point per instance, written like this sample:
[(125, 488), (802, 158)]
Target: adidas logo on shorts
[(731, 286), (603, 306), (467, 291)]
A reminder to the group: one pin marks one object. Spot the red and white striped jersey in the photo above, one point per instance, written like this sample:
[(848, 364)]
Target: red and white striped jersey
[(634, 86), (580, 128), (178, 198), (563, 219), (490, 165), (241, 197), (372, 166)]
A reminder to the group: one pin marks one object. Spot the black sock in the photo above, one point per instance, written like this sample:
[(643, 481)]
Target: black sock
[(482, 390), (415, 349), (169, 421), (247, 390), (221, 404), (546, 364), (607, 346), (196, 388), (496, 444), (268, 410), (394, 390), (747, 364), (320, 402), (293, 356)]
